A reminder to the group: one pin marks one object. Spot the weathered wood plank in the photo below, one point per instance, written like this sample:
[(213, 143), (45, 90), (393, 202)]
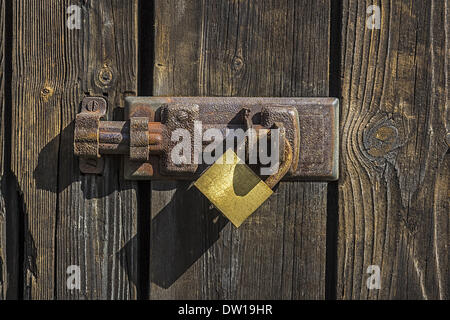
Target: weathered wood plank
[(393, 189), (9, 208), (97, 229), (71, 219), (240, 48), (3, 270)]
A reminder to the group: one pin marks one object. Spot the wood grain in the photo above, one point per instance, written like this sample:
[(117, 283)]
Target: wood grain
[(3, 270), (72, 219), (393, 189), (240, 48)]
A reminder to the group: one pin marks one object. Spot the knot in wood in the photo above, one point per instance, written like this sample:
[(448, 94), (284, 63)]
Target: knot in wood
[(381, 138), (46, 93), (237, 63)]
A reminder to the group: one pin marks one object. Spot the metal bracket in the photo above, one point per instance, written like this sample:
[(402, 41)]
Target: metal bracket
[(310, 125)]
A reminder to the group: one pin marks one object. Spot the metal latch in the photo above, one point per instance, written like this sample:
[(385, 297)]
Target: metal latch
[(153, 127), (218, 141)]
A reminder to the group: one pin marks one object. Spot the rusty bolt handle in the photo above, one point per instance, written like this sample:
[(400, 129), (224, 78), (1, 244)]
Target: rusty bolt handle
[(93, 137), (87, 124), (114, 137)]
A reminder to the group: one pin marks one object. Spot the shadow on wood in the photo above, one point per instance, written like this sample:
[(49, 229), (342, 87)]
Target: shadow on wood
[(185, 227), (183, 230), (126, 255)]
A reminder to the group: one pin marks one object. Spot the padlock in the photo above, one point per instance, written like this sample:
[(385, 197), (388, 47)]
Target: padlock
[(235, 190)]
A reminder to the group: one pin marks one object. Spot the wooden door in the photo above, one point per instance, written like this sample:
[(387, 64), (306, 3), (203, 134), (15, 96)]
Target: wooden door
[(154, 240)]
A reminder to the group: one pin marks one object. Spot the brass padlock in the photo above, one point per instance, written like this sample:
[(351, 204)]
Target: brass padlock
[(235, 190)]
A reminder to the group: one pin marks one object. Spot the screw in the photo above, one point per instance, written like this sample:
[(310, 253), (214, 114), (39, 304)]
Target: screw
[(105, 76), (92, 106)]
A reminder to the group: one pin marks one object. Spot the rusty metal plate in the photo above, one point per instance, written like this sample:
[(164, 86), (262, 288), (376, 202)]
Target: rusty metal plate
[(318, 126)]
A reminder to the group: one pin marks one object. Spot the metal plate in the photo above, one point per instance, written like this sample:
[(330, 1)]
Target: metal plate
[(318, 118), (233, 188)]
